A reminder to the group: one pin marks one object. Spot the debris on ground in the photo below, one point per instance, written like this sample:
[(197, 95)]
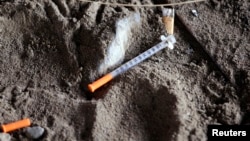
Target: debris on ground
[(120, 44), (194, 12)]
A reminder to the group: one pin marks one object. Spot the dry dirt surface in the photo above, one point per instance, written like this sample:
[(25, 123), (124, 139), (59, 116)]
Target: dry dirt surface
[(51, 49)]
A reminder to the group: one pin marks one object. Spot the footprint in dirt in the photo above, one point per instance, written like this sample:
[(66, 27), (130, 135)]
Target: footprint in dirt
[(137, 112), (157, 111)]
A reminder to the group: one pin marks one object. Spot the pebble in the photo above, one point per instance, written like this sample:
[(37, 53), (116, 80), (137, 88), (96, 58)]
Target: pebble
[(31, 84), (189, 51), (5, 137), (16, 90), (34, 132), (30, 53), (74, 20)]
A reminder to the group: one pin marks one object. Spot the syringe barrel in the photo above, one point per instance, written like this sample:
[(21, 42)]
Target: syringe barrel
[(146, 54)]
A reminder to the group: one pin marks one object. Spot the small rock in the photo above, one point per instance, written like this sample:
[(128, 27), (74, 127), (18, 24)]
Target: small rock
[(5, 137), (68, 84), (29, 53), (189, 51), (34, 132), (74, 20), (195, 13), (16, 90), (31, 84)]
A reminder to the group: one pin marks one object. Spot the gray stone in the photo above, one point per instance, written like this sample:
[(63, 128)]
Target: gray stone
[(5, 137), (34, 132), (16, 90), (74, 20)]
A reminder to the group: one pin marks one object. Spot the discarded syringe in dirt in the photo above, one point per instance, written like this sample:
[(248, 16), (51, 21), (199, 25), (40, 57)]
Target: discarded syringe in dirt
[(166, 42)]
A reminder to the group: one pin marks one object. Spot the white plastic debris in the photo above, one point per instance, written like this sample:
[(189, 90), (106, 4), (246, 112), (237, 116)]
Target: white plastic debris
[(117, 48), (194, 12), (170, 39), (163, 37)]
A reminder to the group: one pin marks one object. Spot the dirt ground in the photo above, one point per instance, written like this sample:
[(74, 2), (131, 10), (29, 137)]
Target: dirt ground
[(51, 49)]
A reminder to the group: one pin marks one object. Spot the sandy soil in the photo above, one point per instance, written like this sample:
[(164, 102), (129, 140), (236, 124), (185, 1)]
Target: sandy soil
[(50, 51)]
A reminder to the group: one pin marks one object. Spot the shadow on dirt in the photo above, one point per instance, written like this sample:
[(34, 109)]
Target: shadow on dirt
[(157, 110), (83, 120)]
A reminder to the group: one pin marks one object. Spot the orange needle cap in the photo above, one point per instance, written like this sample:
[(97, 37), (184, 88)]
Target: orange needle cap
[(16, 125), (100, 82)]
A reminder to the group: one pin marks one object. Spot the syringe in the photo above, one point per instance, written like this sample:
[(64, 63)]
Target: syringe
[(166, 42)]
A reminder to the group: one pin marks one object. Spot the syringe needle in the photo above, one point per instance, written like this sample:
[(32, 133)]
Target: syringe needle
[(168, 42)]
